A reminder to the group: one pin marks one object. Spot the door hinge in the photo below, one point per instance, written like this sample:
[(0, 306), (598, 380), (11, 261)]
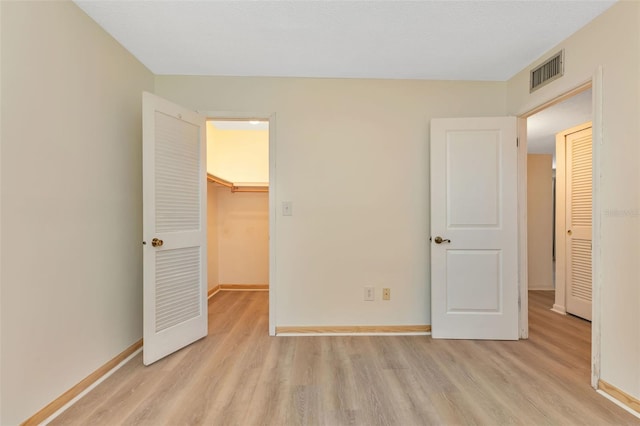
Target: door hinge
[(517, 142)]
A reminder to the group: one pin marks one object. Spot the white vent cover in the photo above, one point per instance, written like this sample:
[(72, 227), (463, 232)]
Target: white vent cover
[(550, 70)]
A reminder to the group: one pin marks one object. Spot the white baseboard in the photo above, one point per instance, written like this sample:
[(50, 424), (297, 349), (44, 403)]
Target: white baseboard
[(559, 309)]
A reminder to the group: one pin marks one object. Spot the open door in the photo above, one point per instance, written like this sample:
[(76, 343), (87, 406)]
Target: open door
[(474, 280), (174, 227), (574, 226)]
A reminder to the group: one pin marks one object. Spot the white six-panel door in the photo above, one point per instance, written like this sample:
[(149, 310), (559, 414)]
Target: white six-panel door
[(474, 288), (174, 227)]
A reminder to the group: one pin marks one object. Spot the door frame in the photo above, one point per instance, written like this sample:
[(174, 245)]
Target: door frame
[(596, 84), (271, 118)]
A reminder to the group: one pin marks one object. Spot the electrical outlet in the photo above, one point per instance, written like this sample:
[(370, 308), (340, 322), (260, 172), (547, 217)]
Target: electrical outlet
[(369, 295), (386, 294)]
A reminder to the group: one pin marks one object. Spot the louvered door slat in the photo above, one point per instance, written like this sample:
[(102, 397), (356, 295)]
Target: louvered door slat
[(581, 270), (177, 286), (177, 174)]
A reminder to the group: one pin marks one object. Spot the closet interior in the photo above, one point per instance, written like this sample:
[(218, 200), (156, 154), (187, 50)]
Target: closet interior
[(238, 205)]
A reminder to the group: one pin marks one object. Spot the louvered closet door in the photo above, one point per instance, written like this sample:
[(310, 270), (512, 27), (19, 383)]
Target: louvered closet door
[(174, 210), (578, 223)]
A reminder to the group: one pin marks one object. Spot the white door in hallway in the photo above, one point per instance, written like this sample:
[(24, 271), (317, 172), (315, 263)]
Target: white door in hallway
[(474, 280), (174, 227), (578, 219)]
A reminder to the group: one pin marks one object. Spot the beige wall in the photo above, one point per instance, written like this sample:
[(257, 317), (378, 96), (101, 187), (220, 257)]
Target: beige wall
[(212, 235), (540, 221), (71, 202), (613, 42), (352, 156), (243, 237), (239, 156)]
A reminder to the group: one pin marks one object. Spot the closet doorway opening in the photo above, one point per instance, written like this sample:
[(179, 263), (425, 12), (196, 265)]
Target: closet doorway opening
[(238, 205)]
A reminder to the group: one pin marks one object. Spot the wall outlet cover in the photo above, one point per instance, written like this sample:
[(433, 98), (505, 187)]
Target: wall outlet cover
[(386, 294)]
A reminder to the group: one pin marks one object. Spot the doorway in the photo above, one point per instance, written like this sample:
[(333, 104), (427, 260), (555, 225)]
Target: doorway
[(540, 242), (542, 128), (238, 205)]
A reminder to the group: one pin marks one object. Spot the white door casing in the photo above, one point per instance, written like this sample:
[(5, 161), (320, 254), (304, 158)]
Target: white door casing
[(474, 277), (174, 228), (577, 238)]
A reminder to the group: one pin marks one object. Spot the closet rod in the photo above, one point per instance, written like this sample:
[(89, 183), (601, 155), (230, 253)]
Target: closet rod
[(235, 188), (216, 179), (250, 189)]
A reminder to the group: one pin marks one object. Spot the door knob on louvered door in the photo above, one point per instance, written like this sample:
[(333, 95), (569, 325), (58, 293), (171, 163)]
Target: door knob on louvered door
[(440, 240), (156, 242)]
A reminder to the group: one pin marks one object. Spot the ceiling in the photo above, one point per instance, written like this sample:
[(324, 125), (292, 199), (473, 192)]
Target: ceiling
[(543, 126), (449, 40), (394, 39)]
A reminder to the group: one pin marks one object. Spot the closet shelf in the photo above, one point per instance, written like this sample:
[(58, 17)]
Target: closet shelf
[(236, 188)]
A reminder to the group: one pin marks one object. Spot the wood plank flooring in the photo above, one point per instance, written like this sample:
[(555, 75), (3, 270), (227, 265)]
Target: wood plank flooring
[(239, 375)]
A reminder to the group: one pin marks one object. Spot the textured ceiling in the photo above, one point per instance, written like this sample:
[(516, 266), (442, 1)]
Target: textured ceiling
[(451, 40)]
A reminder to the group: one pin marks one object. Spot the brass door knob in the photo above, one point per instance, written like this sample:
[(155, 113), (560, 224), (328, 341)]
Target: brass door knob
[(156, 242), (440, 240), (569, 232)]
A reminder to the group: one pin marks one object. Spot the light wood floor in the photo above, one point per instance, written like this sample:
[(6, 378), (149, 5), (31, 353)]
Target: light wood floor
[(239, 375)]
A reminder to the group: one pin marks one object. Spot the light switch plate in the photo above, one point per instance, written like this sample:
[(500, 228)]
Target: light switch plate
[(287, 208), (369, 294)]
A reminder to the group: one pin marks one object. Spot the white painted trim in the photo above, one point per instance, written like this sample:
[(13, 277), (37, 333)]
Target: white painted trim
[(1, 266), (523, 266), (596, 258), (618, 403), (273, 212), (90, 388), (561, 225), (558, 309), (271, 117)]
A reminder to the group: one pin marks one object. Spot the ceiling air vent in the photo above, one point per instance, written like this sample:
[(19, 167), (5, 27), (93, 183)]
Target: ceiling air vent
[(547, 72)]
